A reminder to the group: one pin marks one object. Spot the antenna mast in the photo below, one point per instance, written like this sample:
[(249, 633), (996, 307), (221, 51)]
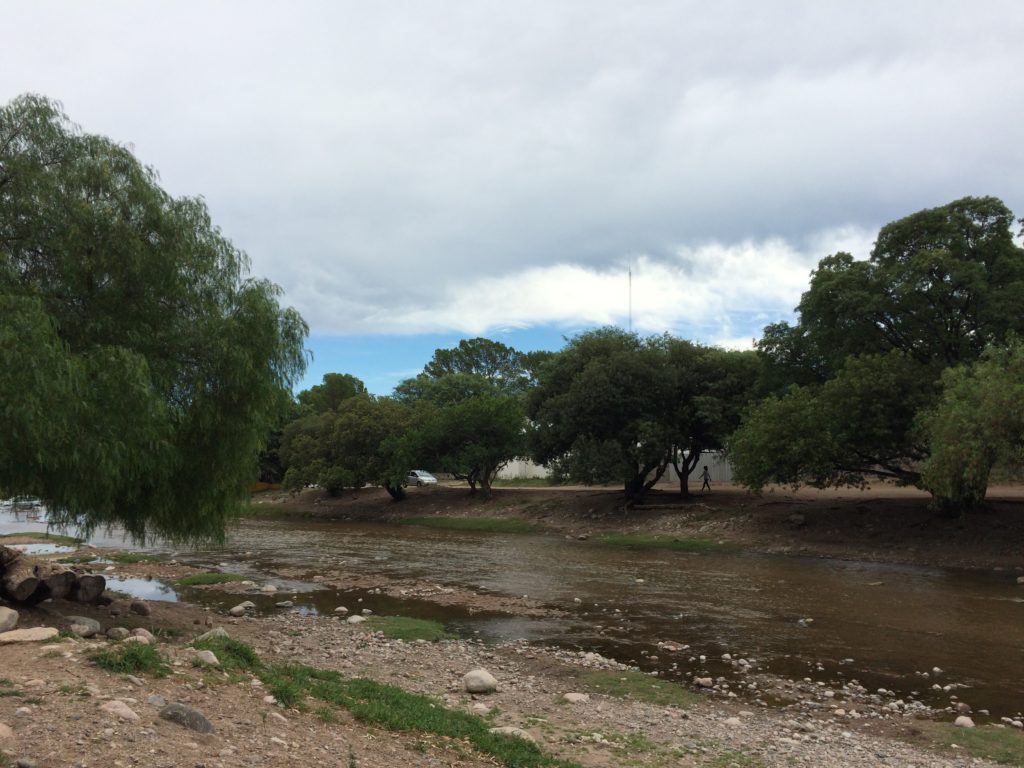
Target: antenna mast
[(631, 294)]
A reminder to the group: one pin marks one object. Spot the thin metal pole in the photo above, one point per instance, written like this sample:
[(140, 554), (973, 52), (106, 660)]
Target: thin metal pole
[(631, 295)]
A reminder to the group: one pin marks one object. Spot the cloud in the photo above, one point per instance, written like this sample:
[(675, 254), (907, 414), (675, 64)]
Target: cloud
[(694, 291)]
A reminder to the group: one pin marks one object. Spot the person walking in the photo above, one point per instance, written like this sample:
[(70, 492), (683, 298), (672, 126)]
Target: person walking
[(706, 477)]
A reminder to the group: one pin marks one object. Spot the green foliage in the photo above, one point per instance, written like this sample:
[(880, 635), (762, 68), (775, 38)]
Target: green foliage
[(112, 291), (977, 424), (866, 359), (1001, 745), (662, 541), (501, 366), (614, 406), (335, 389), (232, 654), (408, 629), (134, 557), (480, 524), (630, 684), (397, 710), (201, 579), (132, 659)]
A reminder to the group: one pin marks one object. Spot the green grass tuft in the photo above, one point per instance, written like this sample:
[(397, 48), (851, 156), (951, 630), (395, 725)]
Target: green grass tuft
[(77, 559), (134, 557), (201, 579), (405, 628), (628, 684), (477, 524), (132, 658), (232, 654), (1001, 745), (661, 541)]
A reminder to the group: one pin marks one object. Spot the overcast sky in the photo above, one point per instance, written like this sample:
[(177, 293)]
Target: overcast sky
[(412, 173)]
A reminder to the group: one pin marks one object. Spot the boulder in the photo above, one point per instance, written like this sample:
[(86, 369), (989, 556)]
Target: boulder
[(140, 607), (117, 633), (208, 657), (480, 681), (83, 626), (8, 619), (187, 717), (31, 635), (963, 722), (144, 633)]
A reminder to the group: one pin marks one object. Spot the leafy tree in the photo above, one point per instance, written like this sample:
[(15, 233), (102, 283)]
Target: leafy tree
[(501, 365), (977, 424), (329, 394), (605, 388), (872, 342), (371, 440), (140, 369)]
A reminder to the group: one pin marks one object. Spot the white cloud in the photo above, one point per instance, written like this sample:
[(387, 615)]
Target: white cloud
[(695, 291)]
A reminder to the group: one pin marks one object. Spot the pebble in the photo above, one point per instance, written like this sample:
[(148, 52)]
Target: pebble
[(355, 619), (268, 588), (341, 609), (119, 709), (156, 700), (117, 633), (208, 657), (187, 717), (8, 619), (144, 633)]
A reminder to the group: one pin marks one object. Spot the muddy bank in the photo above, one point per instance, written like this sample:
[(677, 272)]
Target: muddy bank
[(881, 524)]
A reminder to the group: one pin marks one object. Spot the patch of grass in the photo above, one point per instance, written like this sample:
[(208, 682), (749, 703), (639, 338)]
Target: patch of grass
[(477, 524), (134, 557), (327, 715), (735, 760), (634, 743), (397, 710), (405, 628), (167, 633), (77, 559), (78, 689), (661, 541), (233, 655), (1001, 745), (628, 684), (132, 658), (202, 579), (271, 511), (52, 538), (66, 634)]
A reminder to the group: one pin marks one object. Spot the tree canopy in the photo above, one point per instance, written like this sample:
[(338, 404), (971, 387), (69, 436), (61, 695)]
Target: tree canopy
[(854, 378), (140, 368)]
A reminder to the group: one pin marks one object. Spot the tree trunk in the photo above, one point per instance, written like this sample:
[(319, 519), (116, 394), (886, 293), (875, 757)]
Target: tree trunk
[(20, 579), (88, 588), (397, 492)]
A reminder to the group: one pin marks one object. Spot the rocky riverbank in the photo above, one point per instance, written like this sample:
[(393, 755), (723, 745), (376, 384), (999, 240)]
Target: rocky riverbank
[(59, 708)]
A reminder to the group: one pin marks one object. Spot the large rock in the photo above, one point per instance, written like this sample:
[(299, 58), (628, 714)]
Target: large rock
[(208, 657), (31, 635), (480, 681), (83, 626), (144, 633), (8, 619), (117, 633), (140, 607), (963, 722), (187, 717)]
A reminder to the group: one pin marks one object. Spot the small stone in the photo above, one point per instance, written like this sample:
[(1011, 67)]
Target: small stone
[(208, 657), (341, 609), (136, 639), (117, 633), (963, 722), (140, 632), (1020, 579), (733, 721), (367, 612), (187, 717), (576, 698), (279, 742), (963, 708), (268, 588), (8, 619), (218, 632), (238, 610), (140, 607), (703, 682), (22, 712), (6, 732), (119, 709), (480, 681), (284, 604), (277, 717), (25, 763), (156, 700), (355, 619)]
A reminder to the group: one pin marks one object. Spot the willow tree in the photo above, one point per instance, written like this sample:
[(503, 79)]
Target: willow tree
[(140, 367)]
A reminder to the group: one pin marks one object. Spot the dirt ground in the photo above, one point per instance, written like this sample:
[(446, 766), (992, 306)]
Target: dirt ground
[(883, 523)]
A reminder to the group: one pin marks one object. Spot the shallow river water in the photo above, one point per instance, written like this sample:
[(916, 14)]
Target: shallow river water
[(880, 624)]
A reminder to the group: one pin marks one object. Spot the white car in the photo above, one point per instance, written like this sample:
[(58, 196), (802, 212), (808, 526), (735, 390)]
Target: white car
[(420, 477)]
